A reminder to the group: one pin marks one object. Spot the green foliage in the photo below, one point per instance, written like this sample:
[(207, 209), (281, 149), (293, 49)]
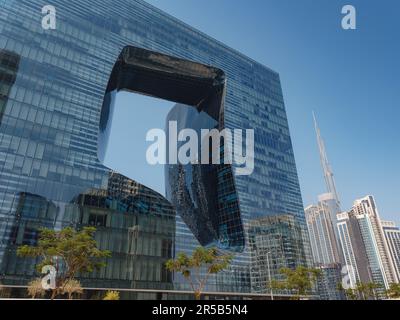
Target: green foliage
[(362, 291), (301, 280), (351, 294), (206, 260), (112, 295), (367, 291), (68, 251), (394, 291)]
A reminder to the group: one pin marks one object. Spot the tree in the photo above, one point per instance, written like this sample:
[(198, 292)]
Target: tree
[(350, 293), (301, 280), (394, 291), (68, 251), (72, 287), (35, 288), (198, 268), (362, 291), (112, 295), (367, 291), (372, 290)]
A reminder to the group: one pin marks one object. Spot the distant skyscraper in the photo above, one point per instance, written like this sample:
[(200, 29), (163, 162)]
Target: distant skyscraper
[(375, 262), (392, 235), (364, 246), (325, 250), (317, 225), (353, 249), (367, 208), (322, 232), (329, 202), (321, 223), (328, 173)]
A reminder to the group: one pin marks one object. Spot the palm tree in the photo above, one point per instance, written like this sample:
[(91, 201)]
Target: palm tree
[(351, 294), (394, 291), (372, 290), (367, 291)]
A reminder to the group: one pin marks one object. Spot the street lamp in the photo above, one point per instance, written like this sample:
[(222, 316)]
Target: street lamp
[(269, 276)]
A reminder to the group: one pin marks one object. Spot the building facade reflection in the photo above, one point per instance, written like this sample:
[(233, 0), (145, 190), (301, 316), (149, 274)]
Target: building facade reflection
[(276, 242), (136, 224)]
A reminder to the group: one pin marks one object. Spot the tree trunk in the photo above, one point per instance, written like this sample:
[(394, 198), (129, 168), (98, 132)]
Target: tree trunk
[(197, 295), (53, 294)]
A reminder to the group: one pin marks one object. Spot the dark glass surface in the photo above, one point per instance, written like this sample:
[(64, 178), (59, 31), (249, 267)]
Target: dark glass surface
[(204, 195)]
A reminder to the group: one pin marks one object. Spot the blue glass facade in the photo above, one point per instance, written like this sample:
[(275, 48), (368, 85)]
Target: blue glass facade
[(275, 243), (53, 85), (329, 281)]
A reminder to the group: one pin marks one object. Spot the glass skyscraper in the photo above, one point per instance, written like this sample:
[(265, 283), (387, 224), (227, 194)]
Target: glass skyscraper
[(56, 97)]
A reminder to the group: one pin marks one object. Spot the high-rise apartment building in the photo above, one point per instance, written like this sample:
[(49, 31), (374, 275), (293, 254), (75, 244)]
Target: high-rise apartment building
[(317, 225), (392, 235), (56, 112), (364, 245), (375, 263), (323, 240), (355, 258), (367, 212)]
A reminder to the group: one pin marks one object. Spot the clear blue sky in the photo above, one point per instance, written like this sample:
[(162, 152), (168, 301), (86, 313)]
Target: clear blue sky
[(350, 78)]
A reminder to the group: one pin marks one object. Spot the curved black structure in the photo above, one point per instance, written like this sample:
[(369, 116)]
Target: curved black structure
[(199, 192), (205, 194)]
